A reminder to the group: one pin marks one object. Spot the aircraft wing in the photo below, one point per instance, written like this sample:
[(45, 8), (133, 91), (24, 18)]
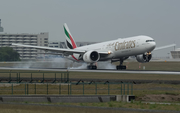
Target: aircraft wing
[(163, 47), (60, 50)]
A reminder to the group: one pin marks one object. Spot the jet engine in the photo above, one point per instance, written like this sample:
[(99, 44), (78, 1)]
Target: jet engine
[(144, 57), (91, 56)]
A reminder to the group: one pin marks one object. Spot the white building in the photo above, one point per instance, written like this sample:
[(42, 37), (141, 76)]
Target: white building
[(57, 44), (28, 39), (1, 28), (175, 54)]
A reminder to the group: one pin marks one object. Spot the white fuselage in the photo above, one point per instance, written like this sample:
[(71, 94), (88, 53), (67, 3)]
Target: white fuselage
[(121, 47)]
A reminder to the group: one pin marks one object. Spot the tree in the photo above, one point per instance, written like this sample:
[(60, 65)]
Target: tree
[(8, 54)]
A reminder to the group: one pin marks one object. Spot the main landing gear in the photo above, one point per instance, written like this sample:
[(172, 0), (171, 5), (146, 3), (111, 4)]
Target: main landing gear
[(120, 66), (91, 66)]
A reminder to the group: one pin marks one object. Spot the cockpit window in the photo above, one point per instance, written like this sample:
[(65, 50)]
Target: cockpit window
[(149, 40)]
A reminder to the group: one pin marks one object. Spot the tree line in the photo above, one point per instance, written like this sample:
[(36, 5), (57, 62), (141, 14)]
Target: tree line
[(8, 54)]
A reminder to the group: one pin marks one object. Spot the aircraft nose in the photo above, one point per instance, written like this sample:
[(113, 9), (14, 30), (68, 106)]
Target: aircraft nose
[(153, 45)]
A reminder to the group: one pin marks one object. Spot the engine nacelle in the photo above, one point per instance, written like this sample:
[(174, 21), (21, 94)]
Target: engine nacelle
[(144, 58), (91, 56)]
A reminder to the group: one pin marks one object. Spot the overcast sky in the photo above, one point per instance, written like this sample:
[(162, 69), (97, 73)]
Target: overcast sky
[(95, 20)]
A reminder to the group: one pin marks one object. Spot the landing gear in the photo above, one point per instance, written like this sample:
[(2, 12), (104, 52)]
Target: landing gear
[(120, 66), (91, 66)]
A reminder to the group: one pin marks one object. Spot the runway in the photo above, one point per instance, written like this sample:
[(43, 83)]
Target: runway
[(97, 71)]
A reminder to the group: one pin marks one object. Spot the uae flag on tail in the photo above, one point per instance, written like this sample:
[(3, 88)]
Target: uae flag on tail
[(69, 39)]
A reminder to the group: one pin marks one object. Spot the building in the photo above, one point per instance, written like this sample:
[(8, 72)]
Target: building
[(79, 44), (57, 44), (175, 54), (26, 53), (1, 28)]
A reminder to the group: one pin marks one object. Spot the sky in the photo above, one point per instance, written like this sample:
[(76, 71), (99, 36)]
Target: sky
[(95, 20)]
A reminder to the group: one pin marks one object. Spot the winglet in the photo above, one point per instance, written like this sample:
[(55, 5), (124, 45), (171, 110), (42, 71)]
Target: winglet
[(69, 39)]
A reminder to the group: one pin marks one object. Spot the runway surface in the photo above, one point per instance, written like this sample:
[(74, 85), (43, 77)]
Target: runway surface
[(98, 71)]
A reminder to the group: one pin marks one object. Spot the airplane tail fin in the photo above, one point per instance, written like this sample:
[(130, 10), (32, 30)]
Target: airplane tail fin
[(71, 44)]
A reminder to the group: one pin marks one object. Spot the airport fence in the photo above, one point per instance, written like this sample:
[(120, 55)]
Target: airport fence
[(66, 89), (34, 77)]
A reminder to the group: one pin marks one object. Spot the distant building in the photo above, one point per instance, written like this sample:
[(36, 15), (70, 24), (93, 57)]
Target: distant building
[(26, 53), (79, 44), (1, 28), (175, 54), (57, 44)]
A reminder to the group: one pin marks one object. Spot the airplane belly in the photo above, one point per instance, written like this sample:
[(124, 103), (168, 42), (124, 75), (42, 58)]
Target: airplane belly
[(123, 53)]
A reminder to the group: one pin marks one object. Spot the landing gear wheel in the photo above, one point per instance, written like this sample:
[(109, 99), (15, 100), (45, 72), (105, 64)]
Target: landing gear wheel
[(94, 67), (91, 67), (121, 67)]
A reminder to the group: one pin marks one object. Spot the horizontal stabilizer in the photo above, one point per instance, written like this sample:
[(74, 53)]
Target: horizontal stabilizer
[(163, 47)]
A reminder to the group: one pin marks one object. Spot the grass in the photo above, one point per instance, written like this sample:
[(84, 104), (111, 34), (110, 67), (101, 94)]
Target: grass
[(121, 76), (139, 90), (135, 105), (11, 108), (152, 65), (8, 108), (72, 108), (89, 89)]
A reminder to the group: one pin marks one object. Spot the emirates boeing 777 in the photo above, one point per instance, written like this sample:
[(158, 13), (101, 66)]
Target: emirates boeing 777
[(115, 50)]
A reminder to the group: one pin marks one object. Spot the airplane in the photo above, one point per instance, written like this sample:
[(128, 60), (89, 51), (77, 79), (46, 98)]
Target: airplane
[(114, 50)]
